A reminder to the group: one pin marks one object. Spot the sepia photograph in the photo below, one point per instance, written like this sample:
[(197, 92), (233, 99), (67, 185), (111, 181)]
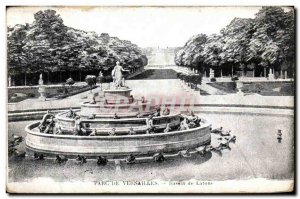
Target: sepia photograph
[(150, 99)]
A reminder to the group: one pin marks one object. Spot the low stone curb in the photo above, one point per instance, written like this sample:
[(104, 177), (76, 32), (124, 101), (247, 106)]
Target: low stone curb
[(37, 114)]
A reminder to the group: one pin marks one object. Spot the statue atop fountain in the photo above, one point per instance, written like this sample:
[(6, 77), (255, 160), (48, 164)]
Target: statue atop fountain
[(117, 75), (119, 91)]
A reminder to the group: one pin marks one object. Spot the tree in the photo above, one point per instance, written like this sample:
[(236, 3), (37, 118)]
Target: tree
[(91, 80), (272, 43), (212, 50), (17, 59), (236, 37), (47, 45), (191, 54), (267, 41), (45, 36), (70, 81)]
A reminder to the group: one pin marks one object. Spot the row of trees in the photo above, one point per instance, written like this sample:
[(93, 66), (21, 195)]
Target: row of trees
[(265, 42), (47, 45), (190, 80)]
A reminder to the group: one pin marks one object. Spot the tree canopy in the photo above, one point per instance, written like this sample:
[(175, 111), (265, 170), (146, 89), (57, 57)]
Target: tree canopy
[(48, 45), (267, 41)]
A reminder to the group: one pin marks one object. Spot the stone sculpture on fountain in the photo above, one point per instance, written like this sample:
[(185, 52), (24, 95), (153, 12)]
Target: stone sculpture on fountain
[(117, 75)]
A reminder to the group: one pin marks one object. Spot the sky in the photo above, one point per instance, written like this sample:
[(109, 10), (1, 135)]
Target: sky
[(145, 26)]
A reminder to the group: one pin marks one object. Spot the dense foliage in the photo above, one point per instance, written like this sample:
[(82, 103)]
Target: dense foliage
[(191, 80), (70, 81), (91, 80), (267, 41), (47, 45)]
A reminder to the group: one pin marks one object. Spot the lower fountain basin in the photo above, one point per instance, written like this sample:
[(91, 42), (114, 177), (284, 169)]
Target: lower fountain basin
[(121, 145)]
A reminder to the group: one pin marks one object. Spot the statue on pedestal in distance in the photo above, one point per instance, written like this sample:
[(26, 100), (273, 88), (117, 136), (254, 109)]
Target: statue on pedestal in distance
[(41, 81)]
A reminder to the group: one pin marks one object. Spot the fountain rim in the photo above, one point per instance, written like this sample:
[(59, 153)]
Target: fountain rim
[(33, 125), (59, 117), (87, 104), (122, 89)]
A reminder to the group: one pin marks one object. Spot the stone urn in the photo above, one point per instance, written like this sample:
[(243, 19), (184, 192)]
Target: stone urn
[(42, 92), (239, 86), (42, 88), (271, 75)]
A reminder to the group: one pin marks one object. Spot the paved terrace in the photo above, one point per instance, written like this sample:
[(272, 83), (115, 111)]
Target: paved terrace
[(165, 88)]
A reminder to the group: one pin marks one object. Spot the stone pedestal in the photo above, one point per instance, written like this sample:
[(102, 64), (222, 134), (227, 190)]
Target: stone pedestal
[(101, 94), (9, 81), (114, 96), (211, 73), (285, 74), (239, 86), (42, 92), (41, 81), (271, 75)]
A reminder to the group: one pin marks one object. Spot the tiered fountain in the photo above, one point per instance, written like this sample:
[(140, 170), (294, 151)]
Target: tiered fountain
[(116, 125)]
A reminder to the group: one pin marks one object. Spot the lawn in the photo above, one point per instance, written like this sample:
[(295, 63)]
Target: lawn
[(21, 93), (262, 88), (157, 74)]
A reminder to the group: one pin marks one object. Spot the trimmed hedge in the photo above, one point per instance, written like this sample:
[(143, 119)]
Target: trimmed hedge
[(72, 91), (70, 81)]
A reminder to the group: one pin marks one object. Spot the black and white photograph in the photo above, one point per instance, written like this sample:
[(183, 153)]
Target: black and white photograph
[(150, 99)]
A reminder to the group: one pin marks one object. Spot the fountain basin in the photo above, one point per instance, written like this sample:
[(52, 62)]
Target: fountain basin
[(123, 109), (113, 96), (114, 146), (109, 122)]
